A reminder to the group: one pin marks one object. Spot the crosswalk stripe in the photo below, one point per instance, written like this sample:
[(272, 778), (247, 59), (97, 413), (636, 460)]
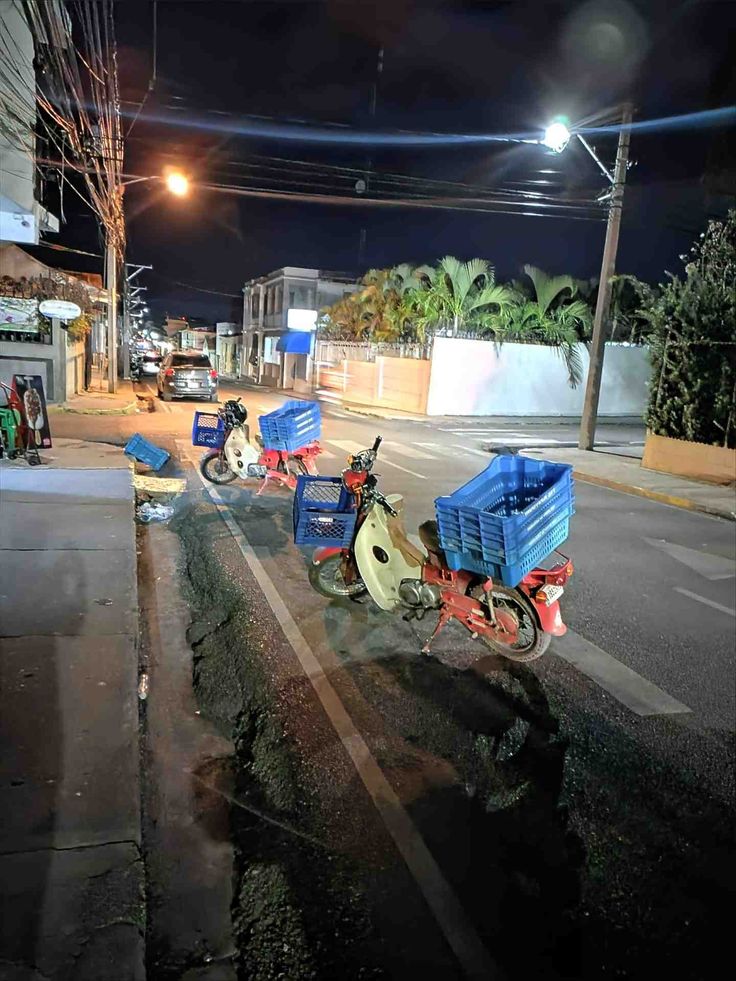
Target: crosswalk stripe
[(346, 445), (636, 693), (409, 451), (469, 449)]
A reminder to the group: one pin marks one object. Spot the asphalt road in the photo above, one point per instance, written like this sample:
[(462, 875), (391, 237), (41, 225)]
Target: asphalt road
[(587, 796)]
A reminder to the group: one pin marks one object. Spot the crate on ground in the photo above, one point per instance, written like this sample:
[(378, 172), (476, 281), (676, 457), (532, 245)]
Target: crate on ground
[(508, 518), (208, 429), (291, 426), (323, 512), (146, 452)]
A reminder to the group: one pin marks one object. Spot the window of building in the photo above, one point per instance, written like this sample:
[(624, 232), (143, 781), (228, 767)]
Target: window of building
[(270, 354)]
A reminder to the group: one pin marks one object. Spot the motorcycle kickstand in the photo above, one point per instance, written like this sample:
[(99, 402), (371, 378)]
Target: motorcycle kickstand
[(442, 622)]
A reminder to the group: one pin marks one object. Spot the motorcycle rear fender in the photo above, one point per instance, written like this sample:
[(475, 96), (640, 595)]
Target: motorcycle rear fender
[(550, 619), (320, 554)]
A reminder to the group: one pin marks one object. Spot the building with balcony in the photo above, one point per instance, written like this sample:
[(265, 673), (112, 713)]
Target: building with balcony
[(280, 313)]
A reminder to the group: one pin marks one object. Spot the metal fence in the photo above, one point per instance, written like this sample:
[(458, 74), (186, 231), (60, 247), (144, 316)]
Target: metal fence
[(334, 352)]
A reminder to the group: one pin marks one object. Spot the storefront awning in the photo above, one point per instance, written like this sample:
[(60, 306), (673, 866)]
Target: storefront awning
[(295, 342)]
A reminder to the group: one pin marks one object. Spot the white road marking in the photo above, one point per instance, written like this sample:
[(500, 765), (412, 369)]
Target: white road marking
[(385, 459), (469, 449), (706, 601), (636, 693), (409, 451), (459, 932), (346, 445), (709, 566), (266, 408)]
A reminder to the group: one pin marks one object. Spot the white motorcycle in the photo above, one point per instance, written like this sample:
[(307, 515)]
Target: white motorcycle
[(517, 623)]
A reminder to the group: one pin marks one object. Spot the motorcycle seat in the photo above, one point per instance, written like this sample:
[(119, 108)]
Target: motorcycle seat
[(430, 538)]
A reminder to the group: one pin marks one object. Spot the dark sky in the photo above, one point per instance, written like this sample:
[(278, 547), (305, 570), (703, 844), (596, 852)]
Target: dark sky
[(448, 67)]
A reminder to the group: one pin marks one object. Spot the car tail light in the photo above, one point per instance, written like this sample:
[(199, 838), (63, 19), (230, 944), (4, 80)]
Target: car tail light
[(213, 375), (169, 373)]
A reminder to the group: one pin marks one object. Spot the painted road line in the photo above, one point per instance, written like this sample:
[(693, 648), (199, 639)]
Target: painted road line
[(709, 566), (409, 451), (636, 693), (469, 449), (348, 446), (384, 459), (706, 601), (473, 957)]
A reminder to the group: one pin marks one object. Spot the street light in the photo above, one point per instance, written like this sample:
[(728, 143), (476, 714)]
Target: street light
[(177, 183), (556, 137)]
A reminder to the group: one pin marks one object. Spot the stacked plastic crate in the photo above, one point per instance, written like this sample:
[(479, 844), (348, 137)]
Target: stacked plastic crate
[(508, 519), (295, 424)]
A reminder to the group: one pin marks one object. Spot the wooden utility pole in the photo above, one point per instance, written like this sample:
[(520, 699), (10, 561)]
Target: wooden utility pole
[(589, 418)]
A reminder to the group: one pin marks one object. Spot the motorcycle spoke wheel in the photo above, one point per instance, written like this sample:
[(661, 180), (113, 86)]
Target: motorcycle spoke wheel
[(327, 579), (216, 469), (531, 641)]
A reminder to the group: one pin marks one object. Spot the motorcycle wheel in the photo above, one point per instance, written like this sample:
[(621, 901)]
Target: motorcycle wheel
[(531, 640), (216, 469), (328, 580)]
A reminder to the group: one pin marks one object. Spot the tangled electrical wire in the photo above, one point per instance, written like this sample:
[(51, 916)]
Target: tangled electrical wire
[(78, 102)]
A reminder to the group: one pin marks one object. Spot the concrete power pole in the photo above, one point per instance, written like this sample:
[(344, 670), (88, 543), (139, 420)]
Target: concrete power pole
[(111, 266), (589, 418)]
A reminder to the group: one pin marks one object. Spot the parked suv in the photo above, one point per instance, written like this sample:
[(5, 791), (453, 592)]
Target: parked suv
[(187, 375)]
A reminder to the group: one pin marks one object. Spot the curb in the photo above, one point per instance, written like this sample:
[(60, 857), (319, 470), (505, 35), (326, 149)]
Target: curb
[(359, 411), (127, 410), (685, 503)]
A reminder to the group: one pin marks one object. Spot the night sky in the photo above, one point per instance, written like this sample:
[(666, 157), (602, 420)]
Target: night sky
[(484, 67)]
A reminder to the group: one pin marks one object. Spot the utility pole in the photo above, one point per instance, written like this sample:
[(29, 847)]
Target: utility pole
[(128, 295), (586, 440), (362, 186), (111, 277)]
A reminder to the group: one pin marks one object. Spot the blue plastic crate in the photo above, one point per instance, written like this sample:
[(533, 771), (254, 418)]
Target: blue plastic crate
[(324, 512), (208, 429), (511, 575), (146, 452), (291, 426), (506, 510)]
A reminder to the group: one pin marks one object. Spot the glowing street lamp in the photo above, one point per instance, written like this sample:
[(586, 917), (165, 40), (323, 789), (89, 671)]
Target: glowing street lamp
[(556, 136), (177, 183)]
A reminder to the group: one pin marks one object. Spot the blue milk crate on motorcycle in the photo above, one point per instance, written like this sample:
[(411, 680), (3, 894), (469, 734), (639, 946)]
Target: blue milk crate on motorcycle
[(324, 512), (506, 520), (208, 429), (293, 425)]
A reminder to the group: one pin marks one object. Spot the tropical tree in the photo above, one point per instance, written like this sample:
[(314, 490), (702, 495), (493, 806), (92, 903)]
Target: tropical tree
[(550, 314), (459, 295), (692, 395)]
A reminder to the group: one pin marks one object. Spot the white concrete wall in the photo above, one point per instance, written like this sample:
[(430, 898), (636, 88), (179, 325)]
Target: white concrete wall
[(478, 378)]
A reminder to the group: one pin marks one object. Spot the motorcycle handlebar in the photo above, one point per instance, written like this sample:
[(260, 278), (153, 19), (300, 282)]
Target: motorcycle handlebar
[(377, 443)]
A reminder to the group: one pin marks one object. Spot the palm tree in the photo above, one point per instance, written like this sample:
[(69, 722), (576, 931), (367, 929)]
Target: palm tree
[(551, 317), (460, 294)]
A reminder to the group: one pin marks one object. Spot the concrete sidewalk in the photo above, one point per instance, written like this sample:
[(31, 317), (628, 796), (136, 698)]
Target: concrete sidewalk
[(622, 473), (98, 401), (71, 874)]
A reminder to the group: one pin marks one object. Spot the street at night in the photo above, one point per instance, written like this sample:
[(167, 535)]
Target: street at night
[(367, 490)]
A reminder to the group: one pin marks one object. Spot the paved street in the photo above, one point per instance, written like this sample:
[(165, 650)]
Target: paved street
[(588, 793)]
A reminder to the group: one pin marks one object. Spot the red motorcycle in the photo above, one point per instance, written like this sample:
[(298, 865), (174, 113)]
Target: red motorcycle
[(377, 557), (236, 456)]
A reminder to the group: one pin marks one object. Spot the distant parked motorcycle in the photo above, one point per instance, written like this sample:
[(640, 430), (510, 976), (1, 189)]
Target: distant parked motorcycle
[(233, 454), (365, 549)]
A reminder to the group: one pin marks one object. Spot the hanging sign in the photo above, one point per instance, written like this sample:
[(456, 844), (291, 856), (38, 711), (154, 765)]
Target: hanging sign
[(61, 309)]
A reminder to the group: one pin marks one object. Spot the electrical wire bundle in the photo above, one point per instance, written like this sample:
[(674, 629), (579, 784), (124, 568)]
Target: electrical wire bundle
[(76, 92)]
